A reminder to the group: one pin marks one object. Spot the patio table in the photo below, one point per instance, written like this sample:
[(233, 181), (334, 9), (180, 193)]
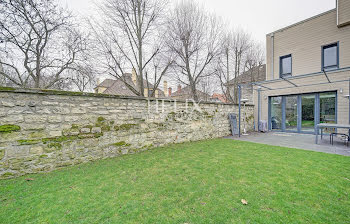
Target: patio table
[(322, 126)]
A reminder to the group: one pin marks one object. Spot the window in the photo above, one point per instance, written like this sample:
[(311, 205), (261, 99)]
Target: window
[(330, 57), (286, 65)]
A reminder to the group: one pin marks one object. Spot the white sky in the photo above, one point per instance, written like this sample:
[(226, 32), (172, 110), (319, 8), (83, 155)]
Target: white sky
[(258, 17)]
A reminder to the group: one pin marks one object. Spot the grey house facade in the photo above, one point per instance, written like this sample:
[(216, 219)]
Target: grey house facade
[(307, 74)]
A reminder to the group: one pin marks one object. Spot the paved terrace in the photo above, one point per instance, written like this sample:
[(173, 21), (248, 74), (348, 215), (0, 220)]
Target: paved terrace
[(300, 141)]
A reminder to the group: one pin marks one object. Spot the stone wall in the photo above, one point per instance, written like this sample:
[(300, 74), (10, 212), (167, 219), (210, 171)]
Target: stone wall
[(44, 130)]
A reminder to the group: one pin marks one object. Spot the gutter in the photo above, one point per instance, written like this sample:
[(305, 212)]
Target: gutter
[(302, 76)]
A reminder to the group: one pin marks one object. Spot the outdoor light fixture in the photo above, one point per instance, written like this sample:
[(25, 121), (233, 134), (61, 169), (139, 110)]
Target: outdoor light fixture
[(244, 101), (341, 90)]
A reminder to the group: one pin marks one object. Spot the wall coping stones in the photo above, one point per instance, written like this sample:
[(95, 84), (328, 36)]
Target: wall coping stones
[(97, 95)]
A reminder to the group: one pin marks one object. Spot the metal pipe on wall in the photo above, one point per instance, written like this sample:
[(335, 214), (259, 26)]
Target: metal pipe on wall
[(259, 108), (272, 54), (239, 111)]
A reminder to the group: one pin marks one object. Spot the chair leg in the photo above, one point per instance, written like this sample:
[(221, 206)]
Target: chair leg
[(332, 139)]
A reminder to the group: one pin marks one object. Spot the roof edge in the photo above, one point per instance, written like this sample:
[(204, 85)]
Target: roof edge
[(301, 22)]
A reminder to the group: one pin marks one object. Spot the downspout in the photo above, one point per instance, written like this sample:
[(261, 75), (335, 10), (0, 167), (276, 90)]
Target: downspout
[(272, 54), (349, 103), (259, 107), (239, 111), (337, 6)]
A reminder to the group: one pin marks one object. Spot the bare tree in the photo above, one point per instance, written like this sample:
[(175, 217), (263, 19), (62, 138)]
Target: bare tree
[(193, 36), (240, 47), (255, 58), (83, 78), (128, 39), (38, 42), (158, 68), (243, 53), (223, 70)]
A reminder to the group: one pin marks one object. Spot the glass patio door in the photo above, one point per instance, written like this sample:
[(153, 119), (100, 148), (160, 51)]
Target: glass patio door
[(300, 113), (291, 113), (276, 113), (328, 109), (308, 112)]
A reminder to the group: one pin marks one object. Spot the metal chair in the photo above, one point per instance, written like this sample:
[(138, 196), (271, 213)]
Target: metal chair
[(346, 138)]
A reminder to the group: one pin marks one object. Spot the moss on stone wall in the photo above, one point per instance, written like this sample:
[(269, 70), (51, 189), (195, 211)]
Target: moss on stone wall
[(2, 154), (125, 127), (7, 175), (55, 145), (28, 141), (58, 139), (250, 118), (103, 124), (101, 119), (9, 128), (7, 88), (119, 144), (88, 126)]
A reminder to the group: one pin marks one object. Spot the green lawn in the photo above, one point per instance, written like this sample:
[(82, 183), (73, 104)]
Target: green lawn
[(200, 182)]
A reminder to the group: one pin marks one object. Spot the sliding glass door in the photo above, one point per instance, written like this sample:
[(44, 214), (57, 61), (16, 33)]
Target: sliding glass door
[(308, 112), (300, 113), (276, 113), (291, 108), (328, 109)]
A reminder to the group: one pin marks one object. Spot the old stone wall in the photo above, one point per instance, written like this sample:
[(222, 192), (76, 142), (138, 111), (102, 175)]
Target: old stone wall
[(44, 130)]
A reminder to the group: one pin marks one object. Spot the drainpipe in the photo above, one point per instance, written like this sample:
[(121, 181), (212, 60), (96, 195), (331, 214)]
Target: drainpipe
[(272, 54), (349, 102), (259, 107), (239, 111)]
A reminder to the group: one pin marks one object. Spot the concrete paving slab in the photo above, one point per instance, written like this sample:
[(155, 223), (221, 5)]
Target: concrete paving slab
[(296, 140)]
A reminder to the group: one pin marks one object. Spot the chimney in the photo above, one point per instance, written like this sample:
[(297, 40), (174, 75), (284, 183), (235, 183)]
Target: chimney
[(134, 77), (165, 86), (98, 81), (169, 92), (178, 87)]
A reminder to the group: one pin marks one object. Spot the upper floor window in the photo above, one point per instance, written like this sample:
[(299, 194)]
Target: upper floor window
[(286, 65), (330, 57)]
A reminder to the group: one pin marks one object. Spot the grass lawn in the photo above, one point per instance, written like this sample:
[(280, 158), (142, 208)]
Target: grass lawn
[(201, 182)]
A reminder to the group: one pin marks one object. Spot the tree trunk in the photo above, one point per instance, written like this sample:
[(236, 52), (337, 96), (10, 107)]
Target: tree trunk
[(139, 36)]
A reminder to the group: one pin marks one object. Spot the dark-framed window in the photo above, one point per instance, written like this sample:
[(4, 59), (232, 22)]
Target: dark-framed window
[(330, 57), (286, 65)]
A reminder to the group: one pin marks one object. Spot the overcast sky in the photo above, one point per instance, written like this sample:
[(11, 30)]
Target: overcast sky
[(259, 17)]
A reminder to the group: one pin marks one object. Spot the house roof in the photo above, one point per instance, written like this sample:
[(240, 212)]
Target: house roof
[(106, 83), (186, 93), (118, 86), (255, 74), (220, 97)]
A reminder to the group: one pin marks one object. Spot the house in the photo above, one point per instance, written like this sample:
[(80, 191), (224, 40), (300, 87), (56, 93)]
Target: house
[(307, 73), (246, 80), (186, 94), (118, 86), (217, 97)]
